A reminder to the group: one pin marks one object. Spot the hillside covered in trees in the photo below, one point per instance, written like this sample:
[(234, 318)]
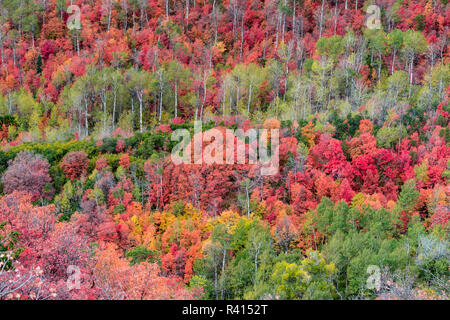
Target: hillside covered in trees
[(93, 207)]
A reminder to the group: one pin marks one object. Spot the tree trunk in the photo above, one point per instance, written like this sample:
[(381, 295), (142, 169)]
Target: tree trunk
[(140, 111), (393, 61), (223, 271), (248, 199), (167, 9), (249, 98), (204, 99), (321, 18), (160, 99), (86, 122), (187, 13), (114, 108), (176, 99)]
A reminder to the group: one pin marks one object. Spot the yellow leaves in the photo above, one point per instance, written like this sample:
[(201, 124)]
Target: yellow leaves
[(230, 219), (220, 47), (134, 219), (137, 228), (166, 219), (260, 210), (309, 133), (362, 199), (315, 263), (191, 211), (141, 224), (158, 230), (272, 123), (331, 268), (142, 234)]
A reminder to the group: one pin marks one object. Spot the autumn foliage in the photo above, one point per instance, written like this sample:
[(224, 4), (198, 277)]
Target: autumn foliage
[(91, 196), (75, 164)]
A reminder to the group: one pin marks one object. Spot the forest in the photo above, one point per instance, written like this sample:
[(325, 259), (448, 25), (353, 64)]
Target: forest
[(92, 207)]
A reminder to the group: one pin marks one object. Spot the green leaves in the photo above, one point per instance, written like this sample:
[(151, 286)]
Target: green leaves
[(414, 42), (312, 279), (140, 254), (333, 47), (407, 197)]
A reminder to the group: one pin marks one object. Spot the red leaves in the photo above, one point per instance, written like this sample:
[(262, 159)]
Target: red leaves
[(62, 248), (78, 66), (366, 174), (169, 210), (48, 47), (288, 146), (34, 223), (120, 145), (101, 164), (441, 216), (365, 144), (163, 128), (178, 120), (124, 161), (173, 263), (75, 164), (345, 191), (301, 198), (28, 172), (117, 279), (327, 155)]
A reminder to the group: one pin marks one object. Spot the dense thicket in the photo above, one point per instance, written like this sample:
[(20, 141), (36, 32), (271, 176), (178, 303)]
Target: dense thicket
[(86, 119)]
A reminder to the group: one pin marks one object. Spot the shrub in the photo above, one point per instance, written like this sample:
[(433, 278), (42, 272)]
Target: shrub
[(28, 172), (75, 164)]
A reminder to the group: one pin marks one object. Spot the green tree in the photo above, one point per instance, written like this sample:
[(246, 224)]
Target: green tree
[(312, 279), (139, 83), (415, 45), (395, 39)]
